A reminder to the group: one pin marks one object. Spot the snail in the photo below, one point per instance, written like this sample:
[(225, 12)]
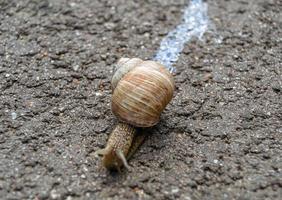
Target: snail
[(140, 92)]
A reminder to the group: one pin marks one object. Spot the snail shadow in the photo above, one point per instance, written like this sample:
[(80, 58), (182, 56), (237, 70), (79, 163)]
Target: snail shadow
[(113, 178), (156, 139), (162, 128)]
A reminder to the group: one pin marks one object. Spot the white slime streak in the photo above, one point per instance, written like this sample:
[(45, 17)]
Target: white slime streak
[(194, 23)]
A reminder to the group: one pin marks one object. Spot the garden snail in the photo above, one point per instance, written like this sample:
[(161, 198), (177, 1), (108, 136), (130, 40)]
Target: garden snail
[(141, 91)]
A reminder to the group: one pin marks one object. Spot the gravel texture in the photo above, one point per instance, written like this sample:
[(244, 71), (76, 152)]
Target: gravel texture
[(220, 138)]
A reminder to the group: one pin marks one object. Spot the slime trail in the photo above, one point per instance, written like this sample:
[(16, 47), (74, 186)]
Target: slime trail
[(194, 23)]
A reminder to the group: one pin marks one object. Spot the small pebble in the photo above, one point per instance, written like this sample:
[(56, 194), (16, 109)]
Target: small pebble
[(75, 67), (175, 190), (98, 94), (14, 115), (54, 194)]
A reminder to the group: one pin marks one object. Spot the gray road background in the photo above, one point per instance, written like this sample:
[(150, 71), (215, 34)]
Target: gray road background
[(220, 138)]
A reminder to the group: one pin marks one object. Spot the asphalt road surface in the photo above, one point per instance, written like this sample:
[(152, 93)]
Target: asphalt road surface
[(220, 137)]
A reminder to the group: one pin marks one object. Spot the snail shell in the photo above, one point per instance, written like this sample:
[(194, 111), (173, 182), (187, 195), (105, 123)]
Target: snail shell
[(141, 91)]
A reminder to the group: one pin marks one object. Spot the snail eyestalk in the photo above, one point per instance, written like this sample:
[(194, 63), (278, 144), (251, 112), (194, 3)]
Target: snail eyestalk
[(122, 158), (102, 152)]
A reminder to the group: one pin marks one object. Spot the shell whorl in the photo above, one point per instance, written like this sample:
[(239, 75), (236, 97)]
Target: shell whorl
[(123, 66), (141, 91)]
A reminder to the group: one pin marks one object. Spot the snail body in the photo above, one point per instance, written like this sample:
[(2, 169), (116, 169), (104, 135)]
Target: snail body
[(141, 91), (118, 146)]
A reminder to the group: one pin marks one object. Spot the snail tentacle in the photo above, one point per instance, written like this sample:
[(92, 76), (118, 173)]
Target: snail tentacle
[(121, 156), (101, 152)]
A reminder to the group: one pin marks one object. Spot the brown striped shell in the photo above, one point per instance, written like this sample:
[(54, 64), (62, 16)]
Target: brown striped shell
[(141, 91)]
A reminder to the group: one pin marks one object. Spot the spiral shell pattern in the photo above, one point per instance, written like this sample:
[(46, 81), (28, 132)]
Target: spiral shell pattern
[(141, 91)]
